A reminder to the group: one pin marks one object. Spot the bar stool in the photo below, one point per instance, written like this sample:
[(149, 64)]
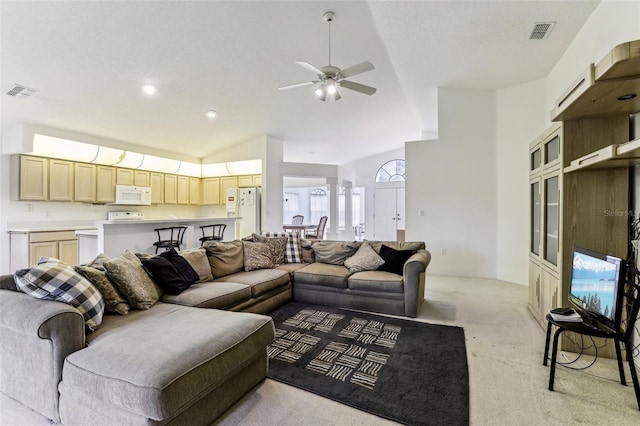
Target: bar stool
[(215, 233), (176, 235)]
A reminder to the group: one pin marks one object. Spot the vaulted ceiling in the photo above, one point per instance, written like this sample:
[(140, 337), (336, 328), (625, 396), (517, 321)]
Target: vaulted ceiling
[(89, 59)]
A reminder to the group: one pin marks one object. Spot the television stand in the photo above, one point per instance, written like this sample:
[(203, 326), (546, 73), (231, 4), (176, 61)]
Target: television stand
[(585, 329)]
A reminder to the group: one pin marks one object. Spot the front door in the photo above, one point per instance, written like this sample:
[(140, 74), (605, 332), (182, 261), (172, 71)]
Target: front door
[(388, 213)]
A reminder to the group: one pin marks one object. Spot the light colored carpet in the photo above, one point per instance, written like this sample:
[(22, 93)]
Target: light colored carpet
[(508, 383)]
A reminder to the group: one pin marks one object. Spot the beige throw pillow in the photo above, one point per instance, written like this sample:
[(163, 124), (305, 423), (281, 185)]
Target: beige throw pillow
[(132, 280), (334, 252), (225, 257), (197, 258), (365, 259)]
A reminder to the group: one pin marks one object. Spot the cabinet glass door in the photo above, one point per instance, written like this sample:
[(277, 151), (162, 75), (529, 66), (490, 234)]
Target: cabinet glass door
[(536, 157), (551, 218), (535, 217), (552, 150)]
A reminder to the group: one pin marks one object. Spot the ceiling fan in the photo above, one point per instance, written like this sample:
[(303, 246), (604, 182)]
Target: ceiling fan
[(329, 78)]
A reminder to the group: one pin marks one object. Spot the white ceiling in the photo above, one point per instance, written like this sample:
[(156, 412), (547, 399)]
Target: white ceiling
[(88, 59)]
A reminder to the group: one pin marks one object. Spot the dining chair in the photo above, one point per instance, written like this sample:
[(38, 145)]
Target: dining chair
[(175, 236), (318, 233), (212, 233), (297, 219)]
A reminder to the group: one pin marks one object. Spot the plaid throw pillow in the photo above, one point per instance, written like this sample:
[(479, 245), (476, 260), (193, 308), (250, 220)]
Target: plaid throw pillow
[(52, 279), (293, 251)]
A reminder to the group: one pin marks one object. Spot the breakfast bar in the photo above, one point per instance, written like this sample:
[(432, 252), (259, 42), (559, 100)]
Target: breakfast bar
[(138, 236)]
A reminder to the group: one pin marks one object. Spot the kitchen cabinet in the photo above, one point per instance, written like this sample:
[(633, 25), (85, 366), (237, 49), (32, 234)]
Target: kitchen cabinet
[(133, 177), (227, 182), (85, 183), (27, 247), (170, 189), (210, 191), (33, 178), (61, 180), (156, 181), (105, 184), (195, 191), (246, 181), (182, 184)]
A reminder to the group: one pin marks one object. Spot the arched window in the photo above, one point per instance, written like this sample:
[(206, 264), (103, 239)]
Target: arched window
[(391, 171), (319, 205)]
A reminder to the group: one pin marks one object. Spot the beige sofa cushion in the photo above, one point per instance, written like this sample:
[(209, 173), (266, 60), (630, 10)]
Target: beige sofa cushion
[(376, 281), (323, 274), (261, 281), (213, 295), (189, 352), (334, 252)]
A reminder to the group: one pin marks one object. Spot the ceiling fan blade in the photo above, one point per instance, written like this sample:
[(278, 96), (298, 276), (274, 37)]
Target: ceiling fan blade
[(291, 86), (310, 67), (367, 90), (356, 69)]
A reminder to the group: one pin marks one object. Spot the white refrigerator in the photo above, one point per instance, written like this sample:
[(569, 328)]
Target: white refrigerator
[(244, 203)]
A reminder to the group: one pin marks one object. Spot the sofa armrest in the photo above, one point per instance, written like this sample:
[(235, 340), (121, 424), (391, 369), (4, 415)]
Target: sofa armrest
[(35, 338), (414, 273)]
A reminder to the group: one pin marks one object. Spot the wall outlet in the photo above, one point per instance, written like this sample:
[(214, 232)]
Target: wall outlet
[(443, 252), (421, 212)]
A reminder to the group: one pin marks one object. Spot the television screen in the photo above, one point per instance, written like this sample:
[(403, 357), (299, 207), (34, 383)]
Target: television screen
[(595, 284)]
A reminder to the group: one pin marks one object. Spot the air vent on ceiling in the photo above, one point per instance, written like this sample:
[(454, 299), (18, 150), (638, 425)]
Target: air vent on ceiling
[(21, 92), (541, 30)]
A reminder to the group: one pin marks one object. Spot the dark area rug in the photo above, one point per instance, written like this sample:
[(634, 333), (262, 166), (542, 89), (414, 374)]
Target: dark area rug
[(406, 371)]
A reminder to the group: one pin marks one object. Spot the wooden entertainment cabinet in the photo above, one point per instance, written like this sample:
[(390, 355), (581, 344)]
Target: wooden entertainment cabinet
[(579, 175)]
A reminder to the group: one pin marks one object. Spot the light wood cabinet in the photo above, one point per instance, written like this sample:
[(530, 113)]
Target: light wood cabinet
[(157, 187), (545, 201), (246, 181), (227, 182), (28, 247), (211, 191), (105, 184), (195, 191), (142, 178), (584, 177), (61, 180), (182, 183), (85, 183), (124, 176), (33, 178), (170, 189)]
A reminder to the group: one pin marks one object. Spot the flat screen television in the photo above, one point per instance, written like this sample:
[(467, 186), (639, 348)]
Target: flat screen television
[(596, 287)]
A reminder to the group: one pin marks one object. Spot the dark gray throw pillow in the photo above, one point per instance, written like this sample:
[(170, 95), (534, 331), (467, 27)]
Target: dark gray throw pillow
[(394, 260), (171, 271)]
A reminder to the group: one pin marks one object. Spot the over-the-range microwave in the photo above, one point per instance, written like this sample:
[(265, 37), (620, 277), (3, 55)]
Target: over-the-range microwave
[(128, 195)]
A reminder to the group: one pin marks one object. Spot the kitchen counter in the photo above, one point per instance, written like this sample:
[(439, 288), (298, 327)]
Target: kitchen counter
[(138, 235), (21, 229)]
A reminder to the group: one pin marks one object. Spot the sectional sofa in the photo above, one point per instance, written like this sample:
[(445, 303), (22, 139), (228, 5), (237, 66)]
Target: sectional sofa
[(185, 358)]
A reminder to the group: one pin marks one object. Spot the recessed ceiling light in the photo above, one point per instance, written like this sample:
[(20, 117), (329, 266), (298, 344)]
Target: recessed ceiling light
[(149, 89), (211, 113)]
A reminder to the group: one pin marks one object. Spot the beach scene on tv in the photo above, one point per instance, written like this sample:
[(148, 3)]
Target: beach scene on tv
[(593, 281)]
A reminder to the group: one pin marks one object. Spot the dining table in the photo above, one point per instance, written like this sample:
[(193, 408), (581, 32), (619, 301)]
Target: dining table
[(300, 229)]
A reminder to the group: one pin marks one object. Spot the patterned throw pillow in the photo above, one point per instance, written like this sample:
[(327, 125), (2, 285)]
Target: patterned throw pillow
[(52, 279), (293, 252), (365, 259), (277, 247), (114, 301), (256, 256), (132, 280)]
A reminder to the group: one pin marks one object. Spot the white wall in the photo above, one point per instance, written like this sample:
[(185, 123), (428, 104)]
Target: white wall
[(523, 112), (451, 185), (518, 123)]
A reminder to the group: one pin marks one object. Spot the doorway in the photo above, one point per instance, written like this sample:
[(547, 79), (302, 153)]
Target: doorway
[(389, 214)]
